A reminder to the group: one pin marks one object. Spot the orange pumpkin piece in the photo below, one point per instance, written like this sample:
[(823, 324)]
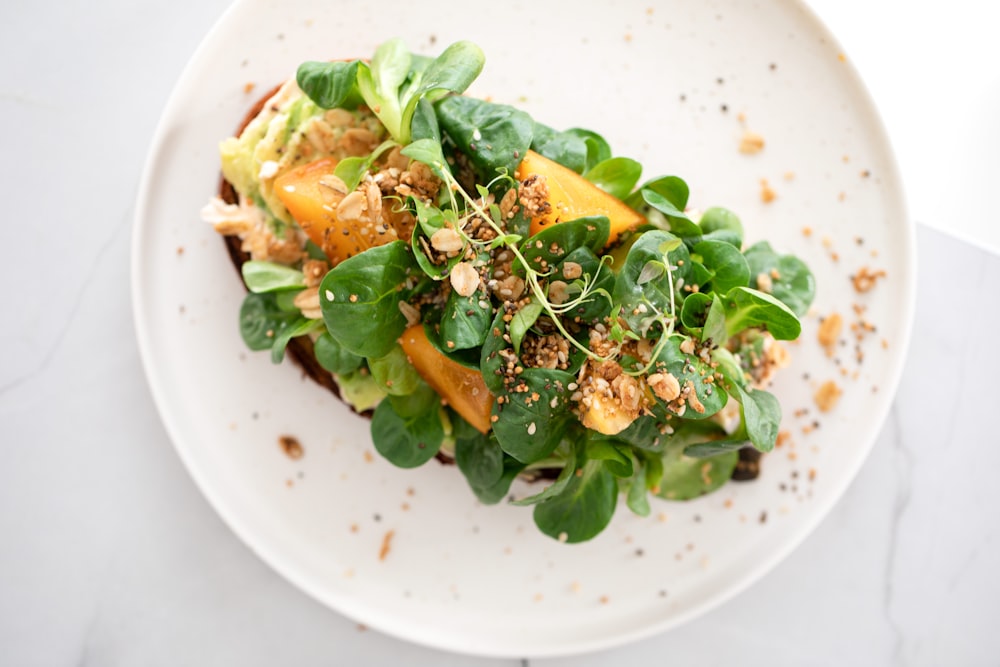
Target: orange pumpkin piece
[(312, 198), (463, 388), (571, 196)]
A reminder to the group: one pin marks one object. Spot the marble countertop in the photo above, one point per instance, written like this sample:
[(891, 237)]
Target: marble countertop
[(109, 555)]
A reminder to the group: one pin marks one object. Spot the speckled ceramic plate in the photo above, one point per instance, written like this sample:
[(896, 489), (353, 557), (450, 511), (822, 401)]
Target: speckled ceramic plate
[(674, 84)]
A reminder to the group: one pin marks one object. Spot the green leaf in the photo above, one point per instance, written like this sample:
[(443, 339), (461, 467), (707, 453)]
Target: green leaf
[(555, 488), (351, 170), (640, 301), (451, 72), (429, 152), (332, 356), (393, 372), (329, 85), (494, 136), (601, 284), (761, 416), (685, 477), (465, 321), (747, 308), (727, 263), (791, 282), (722, 225), (491, 495), (262, 320), (583, 509), (299, 327), (480, 459), (553, 243), (360, 299), (531, 423), (617, 461), (637, 497), (616, 176), (523, 320), (406, 442), (491, 362), (690, 368), (598, 149), (715, 447), (566, 148), (261, 277)]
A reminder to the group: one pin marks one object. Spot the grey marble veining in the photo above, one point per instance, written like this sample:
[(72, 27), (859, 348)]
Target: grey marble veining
[(110, 556)]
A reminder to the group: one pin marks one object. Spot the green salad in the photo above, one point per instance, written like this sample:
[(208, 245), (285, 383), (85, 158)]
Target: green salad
[(504, 295)]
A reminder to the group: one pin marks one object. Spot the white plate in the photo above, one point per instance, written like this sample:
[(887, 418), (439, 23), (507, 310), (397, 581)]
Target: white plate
[(477, 579)]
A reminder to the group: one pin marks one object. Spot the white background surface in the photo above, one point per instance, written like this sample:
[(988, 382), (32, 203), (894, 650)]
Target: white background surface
[(110, 556)]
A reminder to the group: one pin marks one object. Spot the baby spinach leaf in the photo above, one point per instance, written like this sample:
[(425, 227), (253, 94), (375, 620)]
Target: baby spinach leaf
[(721, 224), (643, 433), (566, 148), (261, 277), (393, 373), (555, 488), (424, 124), (491, 495), (616, 176), (523, 320), (332, 356), (429, 152), (465, 321), (685, 477), (480, 459), (330, 85), (299, 327), (689, 368), (694, 311), (490, 362), (747, 308), (676, 220), (451, 72), (583, 509), (360, 299), (379, 84), (262, 320), (711, 448), (406, 442), (351, 170), (791, 281), (715, 323), (602, 284), (637, 496), (553, 243), (530, 424), (615, 458), (493, 136), (761, 415), (727, 263), (598, 149), (641, 299)]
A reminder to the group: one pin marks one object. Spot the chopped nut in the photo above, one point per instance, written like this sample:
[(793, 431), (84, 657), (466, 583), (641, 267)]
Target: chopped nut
[(764, 283), (557, 292), (751, 143), (446, 240), (827, 395), (351, 207), (865, 279), (314, 271), (572, 270), (308, 302), (664, 385), (358, 142), (464, 279), (829, 332)]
